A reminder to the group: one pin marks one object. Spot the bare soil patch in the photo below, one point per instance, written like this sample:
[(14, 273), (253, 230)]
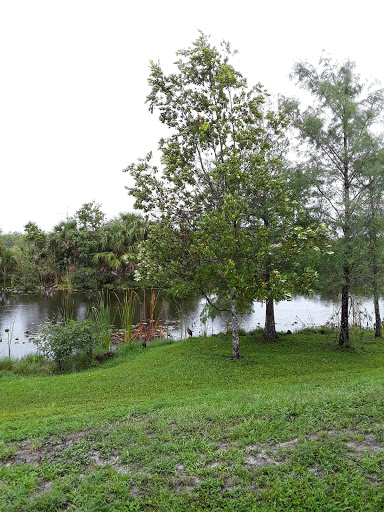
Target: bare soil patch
[(256, 455)]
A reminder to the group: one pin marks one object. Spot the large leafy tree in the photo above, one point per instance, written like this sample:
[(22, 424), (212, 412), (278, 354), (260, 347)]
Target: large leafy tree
[(216, 201), (290, 241), (35, 237), (63, 243), (74, 241), (338, 142), (35, 263)]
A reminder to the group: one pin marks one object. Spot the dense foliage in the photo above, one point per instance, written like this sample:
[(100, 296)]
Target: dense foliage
[(59, 341), (81, 252), (231, 217), (342, 160), (226, 219)]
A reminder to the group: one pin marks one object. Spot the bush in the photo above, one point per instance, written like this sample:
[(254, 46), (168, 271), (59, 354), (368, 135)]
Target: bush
[(86, 278), (63, 340)]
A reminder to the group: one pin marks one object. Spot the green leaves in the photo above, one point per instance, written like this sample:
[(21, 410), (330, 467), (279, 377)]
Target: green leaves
[(225, 221), (60, 341)]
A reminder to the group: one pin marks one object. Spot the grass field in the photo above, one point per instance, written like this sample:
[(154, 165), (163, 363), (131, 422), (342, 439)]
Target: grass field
[(295, 424)]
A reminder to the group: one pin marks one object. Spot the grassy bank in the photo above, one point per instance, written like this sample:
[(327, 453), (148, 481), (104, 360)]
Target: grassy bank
[(295, 425)]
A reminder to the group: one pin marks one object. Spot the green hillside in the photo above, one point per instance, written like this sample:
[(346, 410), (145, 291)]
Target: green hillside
[(295, 424)]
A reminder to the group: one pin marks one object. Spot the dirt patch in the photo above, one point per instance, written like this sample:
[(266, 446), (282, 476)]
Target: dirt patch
[(317, 471), (32, 454), (264, 455), (96, 459), (136, 492), (261, 460), (45, 486), (228, 486), (25, 455), (368, 444), (258, 455), (357, 440), (185, 483)]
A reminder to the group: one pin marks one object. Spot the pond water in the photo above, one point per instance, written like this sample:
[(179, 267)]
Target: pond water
[(22, 314)]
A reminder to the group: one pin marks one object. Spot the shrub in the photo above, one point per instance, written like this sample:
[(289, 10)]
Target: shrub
[(61, 341), (86, 278)]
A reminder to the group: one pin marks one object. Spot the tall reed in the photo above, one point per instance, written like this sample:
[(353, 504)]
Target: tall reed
[(68, 278), (101, 314), (127, 307), (66, 309), (148, 328)]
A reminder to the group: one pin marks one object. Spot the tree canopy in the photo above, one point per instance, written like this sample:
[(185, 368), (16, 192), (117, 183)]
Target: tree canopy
[(340, 147), (222, 210)]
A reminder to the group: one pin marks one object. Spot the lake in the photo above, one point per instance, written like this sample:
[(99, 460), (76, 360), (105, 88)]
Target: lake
[(23, 313)]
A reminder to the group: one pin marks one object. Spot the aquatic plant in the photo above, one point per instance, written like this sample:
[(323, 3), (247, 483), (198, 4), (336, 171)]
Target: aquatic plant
[(127, 307), (66, 309), (10, 336), (68, 278), (147, 329), (101, 315)]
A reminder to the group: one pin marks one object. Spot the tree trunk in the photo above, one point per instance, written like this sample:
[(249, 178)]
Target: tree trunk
[(235, 329), (377, 314), (344, 324), (269, 327), (375, 276)]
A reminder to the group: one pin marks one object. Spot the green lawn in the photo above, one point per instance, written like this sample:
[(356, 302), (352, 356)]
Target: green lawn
[(295, 424)]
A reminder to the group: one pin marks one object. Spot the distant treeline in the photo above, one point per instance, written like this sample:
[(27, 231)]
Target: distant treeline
[(83, 252)]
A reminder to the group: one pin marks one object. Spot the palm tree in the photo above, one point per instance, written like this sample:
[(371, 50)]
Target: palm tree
[(119, 243)]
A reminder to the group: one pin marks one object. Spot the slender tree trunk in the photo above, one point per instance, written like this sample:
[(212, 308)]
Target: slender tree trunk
[(377, 312), (235, 329), (344, 324), (269, 327), (374, 263)]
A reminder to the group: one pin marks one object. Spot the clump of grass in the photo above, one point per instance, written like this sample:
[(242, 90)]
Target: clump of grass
[(6, 364), (101, 314), (68, 278), (152, 327), (27, 365), (66, 309)]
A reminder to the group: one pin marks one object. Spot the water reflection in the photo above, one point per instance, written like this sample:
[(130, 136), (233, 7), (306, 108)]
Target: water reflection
[(23, 313)]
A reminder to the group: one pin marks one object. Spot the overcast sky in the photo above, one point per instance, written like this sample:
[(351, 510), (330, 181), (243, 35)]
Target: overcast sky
[(74, 81)]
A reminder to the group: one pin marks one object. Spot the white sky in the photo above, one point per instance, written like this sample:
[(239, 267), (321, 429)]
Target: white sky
[(74, 74)]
